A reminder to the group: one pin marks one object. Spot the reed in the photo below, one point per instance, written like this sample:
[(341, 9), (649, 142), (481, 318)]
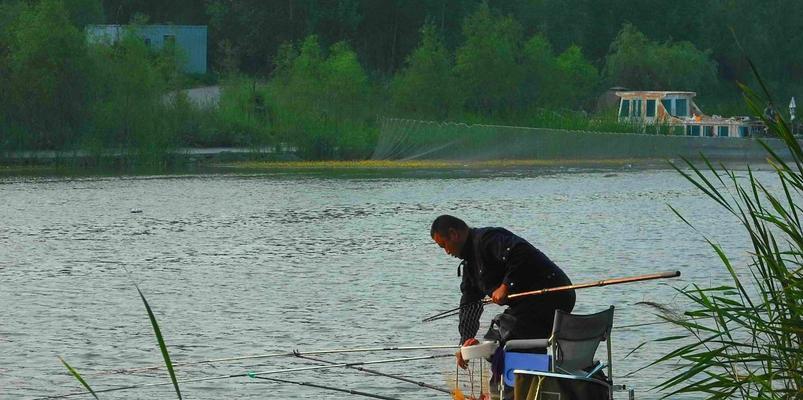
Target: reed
[(744, 338), (162, 348)]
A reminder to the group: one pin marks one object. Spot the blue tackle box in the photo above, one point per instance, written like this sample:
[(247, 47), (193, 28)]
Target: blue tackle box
[(527, 361)]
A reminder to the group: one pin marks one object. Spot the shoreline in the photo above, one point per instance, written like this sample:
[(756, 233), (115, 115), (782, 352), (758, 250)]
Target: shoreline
[(376, 168)]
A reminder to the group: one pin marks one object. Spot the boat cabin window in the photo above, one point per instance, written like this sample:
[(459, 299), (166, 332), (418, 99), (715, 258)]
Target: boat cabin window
[(722, 131), (742, 131), (708, 130), (625, 111), (667, 106), (693, 130), (650, 108), (637, 108), (681, 108)]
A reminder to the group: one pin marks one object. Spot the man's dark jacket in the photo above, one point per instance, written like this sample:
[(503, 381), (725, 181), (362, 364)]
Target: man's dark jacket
[(492, 256)]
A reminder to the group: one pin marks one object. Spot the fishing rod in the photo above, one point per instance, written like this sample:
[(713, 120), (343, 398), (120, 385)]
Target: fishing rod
[(604, 282), (271, 355), (336, 389), (375, 372), (252, 374)]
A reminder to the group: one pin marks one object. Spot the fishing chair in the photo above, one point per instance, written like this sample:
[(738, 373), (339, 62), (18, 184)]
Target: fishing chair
[(570, 371)]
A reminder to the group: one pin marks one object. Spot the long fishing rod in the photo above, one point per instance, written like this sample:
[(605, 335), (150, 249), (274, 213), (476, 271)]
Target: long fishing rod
[(252, 374), (336, 389), (379, 373), (271, 355), (604, 282)]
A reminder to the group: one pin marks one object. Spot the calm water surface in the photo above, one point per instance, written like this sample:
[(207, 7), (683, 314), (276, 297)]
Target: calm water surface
[(248, 264)]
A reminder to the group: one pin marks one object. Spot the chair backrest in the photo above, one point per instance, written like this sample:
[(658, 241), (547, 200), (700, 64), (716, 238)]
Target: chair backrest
[(575, 338)]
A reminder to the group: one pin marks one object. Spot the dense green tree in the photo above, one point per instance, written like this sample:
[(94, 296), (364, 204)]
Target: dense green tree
[(540, 71), (564, 81), (578, 78), (84, 12), (323, 104), (129, 104), (486, 64), (426, 87), (641, 64), (48, 85)]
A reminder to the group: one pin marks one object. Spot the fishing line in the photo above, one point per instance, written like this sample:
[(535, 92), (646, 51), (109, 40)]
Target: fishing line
[(252, 374), (379, 373), (336, 389), (272, 355)]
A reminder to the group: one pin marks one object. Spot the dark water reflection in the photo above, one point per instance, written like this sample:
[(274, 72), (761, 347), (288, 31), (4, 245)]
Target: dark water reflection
[(250, 264)]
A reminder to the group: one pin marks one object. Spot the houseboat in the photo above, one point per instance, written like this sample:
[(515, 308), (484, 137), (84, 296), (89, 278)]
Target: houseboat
[(680, 115)]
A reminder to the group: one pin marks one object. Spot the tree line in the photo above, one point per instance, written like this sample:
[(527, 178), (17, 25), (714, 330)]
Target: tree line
[(314, 75)]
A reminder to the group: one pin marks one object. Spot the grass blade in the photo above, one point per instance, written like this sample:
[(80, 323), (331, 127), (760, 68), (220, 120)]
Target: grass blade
[(78, 377), (161, 341)]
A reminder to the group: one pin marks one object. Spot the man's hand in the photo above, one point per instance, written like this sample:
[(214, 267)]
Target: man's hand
[(459, 355), (499, 296)]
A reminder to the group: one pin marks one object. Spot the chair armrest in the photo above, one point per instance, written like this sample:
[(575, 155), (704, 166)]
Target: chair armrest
[(526, 344)]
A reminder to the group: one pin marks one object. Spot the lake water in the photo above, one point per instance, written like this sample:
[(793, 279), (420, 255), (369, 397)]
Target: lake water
[(257, 263)]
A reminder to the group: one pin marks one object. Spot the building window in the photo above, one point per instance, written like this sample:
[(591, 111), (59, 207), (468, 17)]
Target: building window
[(637, 108), (650, 108), (742, 131), (722, 131), (708, 130), (681, 108), (693, 130), (625, 111), (667, 103)]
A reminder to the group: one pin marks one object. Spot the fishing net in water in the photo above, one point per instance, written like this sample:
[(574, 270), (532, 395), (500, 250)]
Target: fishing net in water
[(408, 139)]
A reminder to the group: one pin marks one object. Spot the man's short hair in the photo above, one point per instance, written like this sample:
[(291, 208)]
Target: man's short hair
[(442, 224)]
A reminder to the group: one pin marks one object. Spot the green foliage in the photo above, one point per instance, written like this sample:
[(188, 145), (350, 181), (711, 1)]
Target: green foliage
[(84, 12), (641, 64), (540, 69), (427, 87), (47, 63), (567, 81), (323, 105), (746, 336), (577, 77), (129, 110), (486, 64), (241, 118)]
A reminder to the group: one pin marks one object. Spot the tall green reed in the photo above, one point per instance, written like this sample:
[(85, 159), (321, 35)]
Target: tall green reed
[(744, 337), (162, 348)]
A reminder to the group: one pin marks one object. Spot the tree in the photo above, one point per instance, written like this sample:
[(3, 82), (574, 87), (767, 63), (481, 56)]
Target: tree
[(128, 104), (578, 79), (639, 63), (426, 87), (486, 63), (323, 104), (48, 86), (84, 12), (540, 70)]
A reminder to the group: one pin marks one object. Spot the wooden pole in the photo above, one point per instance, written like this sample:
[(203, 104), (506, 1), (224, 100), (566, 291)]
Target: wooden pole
[(604, 282)]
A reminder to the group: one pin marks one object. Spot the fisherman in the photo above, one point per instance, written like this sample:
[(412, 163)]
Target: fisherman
[(497, 263)]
